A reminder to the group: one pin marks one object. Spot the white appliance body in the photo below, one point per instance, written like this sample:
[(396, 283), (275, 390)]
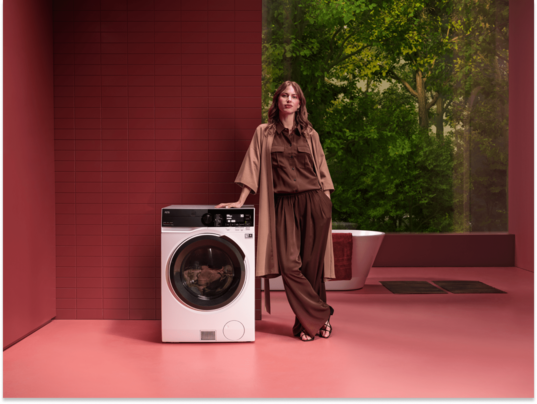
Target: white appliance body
[(207, 276)]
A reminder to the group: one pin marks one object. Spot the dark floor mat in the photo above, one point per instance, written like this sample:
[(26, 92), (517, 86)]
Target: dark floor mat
[(467, 287), (411, 287)]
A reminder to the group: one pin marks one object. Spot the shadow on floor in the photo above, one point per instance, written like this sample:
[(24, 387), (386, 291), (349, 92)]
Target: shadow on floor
[(274, 327), (131, 329)]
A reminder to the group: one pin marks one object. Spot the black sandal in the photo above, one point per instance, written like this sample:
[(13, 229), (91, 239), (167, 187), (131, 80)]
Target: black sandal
[(304, 334), (327, 327)]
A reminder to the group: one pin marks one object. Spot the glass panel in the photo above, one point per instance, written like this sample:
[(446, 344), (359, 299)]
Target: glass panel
[(410, 99), (206, 272)]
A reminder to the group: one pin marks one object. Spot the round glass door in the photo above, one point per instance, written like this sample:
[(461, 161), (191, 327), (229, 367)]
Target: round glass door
[(207, 272)]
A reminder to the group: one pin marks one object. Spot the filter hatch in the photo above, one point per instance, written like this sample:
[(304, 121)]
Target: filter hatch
[(208, 335)]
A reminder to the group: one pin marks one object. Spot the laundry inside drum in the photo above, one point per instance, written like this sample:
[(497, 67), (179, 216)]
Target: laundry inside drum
[(206, 272)]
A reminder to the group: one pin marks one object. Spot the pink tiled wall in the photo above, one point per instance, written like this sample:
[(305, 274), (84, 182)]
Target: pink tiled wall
[(155, 104), (29, 291)]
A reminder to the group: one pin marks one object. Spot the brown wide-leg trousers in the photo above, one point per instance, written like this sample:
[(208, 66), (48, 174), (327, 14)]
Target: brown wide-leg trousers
[(302, 223)]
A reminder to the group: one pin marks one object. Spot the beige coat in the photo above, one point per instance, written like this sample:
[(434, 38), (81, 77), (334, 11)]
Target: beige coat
[(256, 174)]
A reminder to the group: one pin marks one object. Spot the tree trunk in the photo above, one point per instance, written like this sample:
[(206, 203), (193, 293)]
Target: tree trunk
[(440, 117), (287, 33), (459, 111), (422, 101), (466, 225), (299, 24), (467, 144)]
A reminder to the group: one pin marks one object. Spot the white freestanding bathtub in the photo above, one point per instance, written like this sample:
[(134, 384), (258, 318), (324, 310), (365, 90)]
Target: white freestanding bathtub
[(365, 246)]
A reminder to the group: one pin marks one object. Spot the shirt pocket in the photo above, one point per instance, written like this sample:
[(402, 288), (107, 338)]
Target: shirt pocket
[(304, 157), (277, 156)]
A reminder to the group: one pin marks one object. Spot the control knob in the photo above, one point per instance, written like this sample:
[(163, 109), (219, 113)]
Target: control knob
[(207, 219)]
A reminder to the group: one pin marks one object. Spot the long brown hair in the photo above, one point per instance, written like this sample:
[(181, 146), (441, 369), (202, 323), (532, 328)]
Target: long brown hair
[(301, 116)]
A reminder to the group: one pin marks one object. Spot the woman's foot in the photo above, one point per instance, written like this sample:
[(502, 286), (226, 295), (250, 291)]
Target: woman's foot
[(304, 336), (326, 329)]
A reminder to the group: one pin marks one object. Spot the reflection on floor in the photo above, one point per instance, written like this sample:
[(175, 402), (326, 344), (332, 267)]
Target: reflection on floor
[(383, 345)]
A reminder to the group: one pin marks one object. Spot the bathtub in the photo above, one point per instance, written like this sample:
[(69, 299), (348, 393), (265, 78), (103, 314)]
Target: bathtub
[(365, 246)]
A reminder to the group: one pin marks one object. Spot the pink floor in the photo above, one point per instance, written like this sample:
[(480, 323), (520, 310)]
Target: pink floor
[(383, 345)]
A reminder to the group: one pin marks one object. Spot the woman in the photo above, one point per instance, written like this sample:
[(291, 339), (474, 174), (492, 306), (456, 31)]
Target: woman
[(286, 163)]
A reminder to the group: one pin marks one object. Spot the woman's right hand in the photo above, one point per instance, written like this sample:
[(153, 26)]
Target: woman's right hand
[(230, 205), (244, 194)]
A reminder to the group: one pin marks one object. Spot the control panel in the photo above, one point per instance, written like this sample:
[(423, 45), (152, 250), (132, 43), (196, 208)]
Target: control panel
[(234, 217)]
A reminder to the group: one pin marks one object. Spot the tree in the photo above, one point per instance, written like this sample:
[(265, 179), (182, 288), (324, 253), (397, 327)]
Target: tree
[(317, 43), (416, 39), (391, 175), (480, 115), (340, 51)]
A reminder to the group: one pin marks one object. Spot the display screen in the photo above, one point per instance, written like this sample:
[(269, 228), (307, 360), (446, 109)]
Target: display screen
[(235, 218)]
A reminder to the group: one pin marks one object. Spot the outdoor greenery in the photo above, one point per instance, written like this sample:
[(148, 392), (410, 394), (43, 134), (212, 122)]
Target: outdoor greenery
[(479, 115), (410, 100)]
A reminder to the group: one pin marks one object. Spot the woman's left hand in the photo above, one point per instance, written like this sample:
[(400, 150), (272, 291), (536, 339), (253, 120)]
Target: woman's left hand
[(327, 193)]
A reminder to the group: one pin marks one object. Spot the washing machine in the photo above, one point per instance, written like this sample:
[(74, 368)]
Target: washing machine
[(208, 274)]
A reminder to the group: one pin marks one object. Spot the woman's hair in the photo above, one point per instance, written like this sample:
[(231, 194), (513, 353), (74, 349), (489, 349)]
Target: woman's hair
[(301, 115)]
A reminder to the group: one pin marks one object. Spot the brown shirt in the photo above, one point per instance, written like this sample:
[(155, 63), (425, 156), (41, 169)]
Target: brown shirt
[(256, 174), (292, 163)]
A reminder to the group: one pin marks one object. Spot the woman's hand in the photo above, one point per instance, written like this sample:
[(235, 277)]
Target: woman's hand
[(244, 194), (230, 205), (327, 193)]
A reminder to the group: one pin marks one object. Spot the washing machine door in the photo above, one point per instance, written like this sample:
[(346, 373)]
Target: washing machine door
[(207, 272)]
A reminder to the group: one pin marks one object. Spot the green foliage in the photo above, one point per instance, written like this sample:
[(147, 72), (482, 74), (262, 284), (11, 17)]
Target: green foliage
[(351, 57), (317, 43), (390, 175), (480, 114)]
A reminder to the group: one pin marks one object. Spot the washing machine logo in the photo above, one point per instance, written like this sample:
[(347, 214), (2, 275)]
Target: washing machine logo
[(248, 235)]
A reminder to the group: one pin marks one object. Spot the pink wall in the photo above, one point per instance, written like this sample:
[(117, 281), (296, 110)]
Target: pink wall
[(521, 135), (29, 248), (155, 104)]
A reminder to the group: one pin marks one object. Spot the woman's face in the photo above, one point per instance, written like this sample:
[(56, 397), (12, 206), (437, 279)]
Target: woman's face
[(288, 101)]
